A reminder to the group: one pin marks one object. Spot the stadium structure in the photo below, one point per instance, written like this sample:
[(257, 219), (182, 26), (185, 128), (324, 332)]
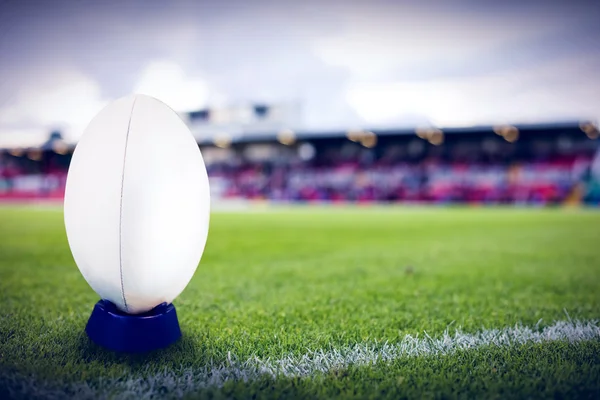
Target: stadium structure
[(251, 155)]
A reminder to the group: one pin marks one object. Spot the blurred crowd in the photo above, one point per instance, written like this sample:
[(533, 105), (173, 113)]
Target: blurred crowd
[(431, 181), (536, 170)]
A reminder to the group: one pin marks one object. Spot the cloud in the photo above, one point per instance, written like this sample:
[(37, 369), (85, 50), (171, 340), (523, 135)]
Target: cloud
[(167, 81), (59, 99), (377, 42), (67, 100), (541, 93)]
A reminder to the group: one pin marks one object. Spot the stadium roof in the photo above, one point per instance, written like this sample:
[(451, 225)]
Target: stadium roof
[(306, 135)]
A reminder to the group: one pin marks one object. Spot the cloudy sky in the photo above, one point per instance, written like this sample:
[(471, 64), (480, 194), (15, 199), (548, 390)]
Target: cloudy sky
[(349, 63)]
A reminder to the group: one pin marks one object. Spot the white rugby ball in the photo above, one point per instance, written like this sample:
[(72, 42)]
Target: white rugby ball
[(137, 204)]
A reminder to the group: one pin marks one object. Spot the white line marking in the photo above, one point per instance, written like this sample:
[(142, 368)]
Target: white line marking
[(179, 382)]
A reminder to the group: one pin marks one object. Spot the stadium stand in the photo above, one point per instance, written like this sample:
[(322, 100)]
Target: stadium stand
[(532, 165)]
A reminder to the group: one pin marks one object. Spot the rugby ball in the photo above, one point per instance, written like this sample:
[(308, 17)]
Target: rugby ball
[(137, 204)]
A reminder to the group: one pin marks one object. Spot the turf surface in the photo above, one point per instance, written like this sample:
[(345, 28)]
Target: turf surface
[(284, 282)]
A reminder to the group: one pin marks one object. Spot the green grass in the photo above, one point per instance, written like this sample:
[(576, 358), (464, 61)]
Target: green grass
[(285, 282), (528, 371)]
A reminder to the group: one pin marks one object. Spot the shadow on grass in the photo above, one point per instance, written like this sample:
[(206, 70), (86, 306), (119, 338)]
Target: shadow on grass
[(186, 348)]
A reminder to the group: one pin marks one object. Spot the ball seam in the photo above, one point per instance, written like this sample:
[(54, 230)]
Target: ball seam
[(121, 207)]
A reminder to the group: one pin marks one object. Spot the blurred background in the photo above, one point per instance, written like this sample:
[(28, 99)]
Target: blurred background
[(457, 101)]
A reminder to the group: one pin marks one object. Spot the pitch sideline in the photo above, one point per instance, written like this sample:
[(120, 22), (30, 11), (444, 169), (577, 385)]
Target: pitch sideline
[(177, 383)]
